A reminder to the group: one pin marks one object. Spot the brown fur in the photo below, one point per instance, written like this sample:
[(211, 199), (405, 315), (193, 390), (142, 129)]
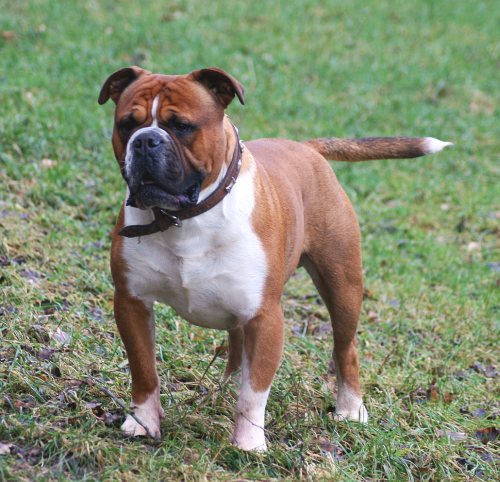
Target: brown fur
[(369, 148), (135, 322)]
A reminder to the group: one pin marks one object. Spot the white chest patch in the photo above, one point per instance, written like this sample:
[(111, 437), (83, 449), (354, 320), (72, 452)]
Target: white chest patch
[(212, 270)]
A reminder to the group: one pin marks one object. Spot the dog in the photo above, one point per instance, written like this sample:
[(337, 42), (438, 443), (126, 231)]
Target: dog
[(214, 228)]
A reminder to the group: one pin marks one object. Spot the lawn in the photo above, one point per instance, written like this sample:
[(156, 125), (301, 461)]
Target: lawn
[(430, 230)]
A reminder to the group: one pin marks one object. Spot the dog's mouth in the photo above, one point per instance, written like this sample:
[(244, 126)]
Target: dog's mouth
[(153, 194)]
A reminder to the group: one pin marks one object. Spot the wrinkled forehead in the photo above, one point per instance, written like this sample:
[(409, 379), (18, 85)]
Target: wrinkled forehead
[(174, 92)]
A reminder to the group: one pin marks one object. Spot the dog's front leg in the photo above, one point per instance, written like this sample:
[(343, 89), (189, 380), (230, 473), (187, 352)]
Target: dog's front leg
[(135, 321), (262, 350)]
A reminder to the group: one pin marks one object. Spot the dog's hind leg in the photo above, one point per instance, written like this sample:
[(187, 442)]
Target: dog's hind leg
[(334, 264)]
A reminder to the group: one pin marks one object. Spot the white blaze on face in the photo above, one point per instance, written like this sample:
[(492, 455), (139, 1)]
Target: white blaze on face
[(153, 126), (154, 111)]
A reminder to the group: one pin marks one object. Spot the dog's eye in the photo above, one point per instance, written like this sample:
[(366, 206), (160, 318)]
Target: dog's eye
[(181, 127), (127, 124)]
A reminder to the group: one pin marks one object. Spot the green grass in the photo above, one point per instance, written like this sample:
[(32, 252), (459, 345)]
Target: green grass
[(430, 239)]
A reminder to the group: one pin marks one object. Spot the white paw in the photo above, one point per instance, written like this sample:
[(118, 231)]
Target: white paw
[(133, 428), (249, 432), (149, 414), (356, 414), (249, 438)]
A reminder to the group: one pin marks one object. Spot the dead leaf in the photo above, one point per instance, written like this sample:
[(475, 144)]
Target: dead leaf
[(368, 294), (48, 163), (29, 98), (38, 333), (322, 329), (61, 337), (489, 434), (462, 374), (174, 387), (45, 354), (327, 447), (486, 457), (189, 456), (473, 246), (72, 382), (111, 418), (221, 350), (27, 403), (488, 371), (453, 436), (5, 448), (172, 16), (433, 391), (8, 35), (482, 103), (479, 413), (32, 276)]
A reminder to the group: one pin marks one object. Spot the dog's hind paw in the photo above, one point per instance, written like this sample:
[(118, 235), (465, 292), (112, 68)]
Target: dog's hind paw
[(360, 415)]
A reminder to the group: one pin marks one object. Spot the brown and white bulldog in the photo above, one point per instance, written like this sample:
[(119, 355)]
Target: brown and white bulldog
[(215, 228)]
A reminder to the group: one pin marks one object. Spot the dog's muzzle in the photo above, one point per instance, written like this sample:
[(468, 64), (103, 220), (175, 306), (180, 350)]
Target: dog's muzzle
[(156, 172)]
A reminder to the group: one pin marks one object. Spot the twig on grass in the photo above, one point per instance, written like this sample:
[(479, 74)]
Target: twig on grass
[(121, 404)]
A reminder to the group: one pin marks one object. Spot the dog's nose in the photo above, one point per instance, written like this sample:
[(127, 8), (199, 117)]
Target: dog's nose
[(147, 141)]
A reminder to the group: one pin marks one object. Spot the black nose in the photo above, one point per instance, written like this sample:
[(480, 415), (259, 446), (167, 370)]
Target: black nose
[(147, 141)]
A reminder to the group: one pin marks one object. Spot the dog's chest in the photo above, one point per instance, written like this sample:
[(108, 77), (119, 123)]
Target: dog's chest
[(212, 270)]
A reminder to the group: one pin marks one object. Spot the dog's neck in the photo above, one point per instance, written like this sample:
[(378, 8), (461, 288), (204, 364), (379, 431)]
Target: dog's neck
[(164, 219)]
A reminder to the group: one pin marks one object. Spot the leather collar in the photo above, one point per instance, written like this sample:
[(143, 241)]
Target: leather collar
[(165, 219)]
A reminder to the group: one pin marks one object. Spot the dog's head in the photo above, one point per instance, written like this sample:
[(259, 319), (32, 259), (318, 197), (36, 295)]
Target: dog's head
[(169, 136)]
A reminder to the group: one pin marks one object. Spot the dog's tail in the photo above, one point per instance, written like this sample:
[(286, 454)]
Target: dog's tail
[(368, 148)]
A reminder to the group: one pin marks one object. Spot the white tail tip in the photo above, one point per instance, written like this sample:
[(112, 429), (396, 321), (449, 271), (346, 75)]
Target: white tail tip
[(432, 145)]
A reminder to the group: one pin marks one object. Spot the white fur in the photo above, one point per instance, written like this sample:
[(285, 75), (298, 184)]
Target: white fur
[(128, 152), (249, 431), (154, 111), (149, 413), (432, 145), (153, 127), (211, 270), (349, 405)]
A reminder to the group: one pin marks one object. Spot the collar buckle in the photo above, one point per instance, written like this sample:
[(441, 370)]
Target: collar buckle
[(174, 219)]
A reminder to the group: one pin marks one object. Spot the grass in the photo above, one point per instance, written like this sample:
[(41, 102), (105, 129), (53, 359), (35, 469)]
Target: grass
[(430, 238)]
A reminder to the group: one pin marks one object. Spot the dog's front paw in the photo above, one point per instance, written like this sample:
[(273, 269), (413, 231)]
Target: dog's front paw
[(249, 436), (133, 428), (146, 420)]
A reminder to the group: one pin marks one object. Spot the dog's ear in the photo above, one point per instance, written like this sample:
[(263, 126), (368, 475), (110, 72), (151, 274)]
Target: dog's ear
[(117, 82), (221, 84)]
